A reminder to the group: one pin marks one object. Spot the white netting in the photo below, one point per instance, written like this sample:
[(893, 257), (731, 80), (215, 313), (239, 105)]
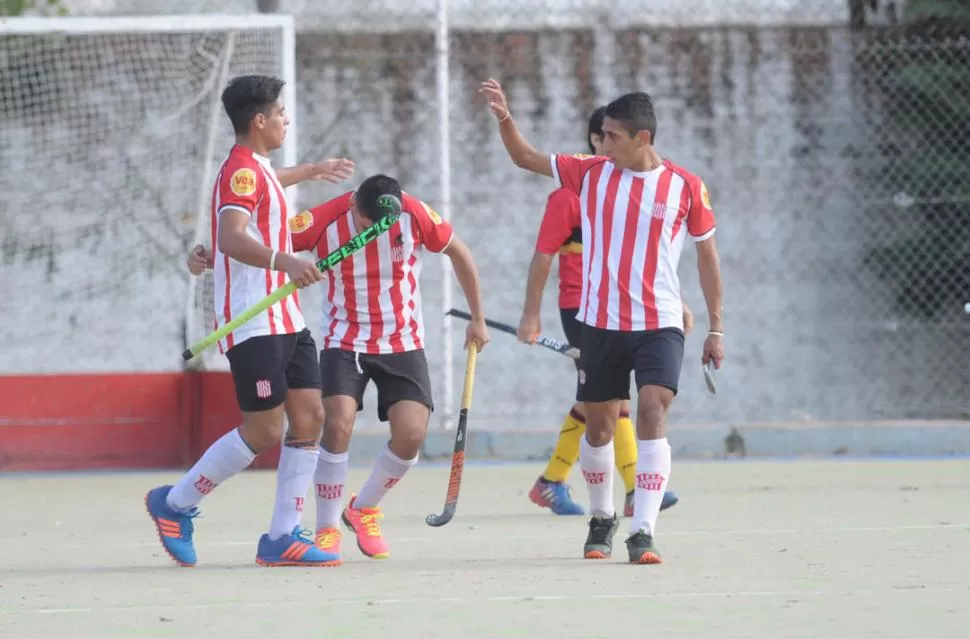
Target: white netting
[(107, 142)]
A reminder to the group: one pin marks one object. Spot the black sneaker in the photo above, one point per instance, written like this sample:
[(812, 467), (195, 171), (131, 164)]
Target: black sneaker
[(642, 549), (599, 541)]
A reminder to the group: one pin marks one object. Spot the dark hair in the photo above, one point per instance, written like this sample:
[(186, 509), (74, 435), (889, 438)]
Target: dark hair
[(635, 112), (247, 95), (595, 126), (370, 190)]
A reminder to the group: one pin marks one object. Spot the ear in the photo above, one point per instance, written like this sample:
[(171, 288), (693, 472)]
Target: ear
[(260, 121), (644, 138)]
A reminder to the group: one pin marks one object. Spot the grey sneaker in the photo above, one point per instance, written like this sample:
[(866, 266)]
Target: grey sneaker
[(599, 541), (642, 549)]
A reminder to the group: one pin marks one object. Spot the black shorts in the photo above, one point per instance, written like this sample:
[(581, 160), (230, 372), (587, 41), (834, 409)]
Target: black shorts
[(573, 328), (398, 376), (607, 358), (266, 367)]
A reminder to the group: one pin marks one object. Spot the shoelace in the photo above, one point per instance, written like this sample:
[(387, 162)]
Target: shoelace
[(305, 535), (329, 539), (371, 524), (185, 524)]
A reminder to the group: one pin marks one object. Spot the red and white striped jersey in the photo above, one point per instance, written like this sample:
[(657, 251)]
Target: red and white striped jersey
[(247, 182), (634, 225), (373, 301)]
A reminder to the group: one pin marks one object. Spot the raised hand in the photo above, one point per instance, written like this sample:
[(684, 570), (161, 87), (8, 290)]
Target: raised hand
[(497, 103), (332, 170)]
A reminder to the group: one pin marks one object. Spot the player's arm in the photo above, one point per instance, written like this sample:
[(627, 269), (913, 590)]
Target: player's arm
[(518, 148), (467, 275), (438, 236), (709, 269), (199, 260), (332, 170), (239, 198), (701, 227), (558, 220)]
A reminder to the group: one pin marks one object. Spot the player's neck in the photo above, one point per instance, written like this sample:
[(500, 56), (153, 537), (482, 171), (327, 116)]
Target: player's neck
[(257, 147), (647, 161)]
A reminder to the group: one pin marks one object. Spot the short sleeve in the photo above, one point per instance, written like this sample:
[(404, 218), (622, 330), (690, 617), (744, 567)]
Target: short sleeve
[(569, 170), (436, 233), (700, 218), (308, 229), (558, 221), (241, 185)]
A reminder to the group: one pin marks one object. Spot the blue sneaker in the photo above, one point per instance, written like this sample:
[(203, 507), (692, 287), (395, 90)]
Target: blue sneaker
[(174, 528), (670, 499), (555, 496), (295, 549)]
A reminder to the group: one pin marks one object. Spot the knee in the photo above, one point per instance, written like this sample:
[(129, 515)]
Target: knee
[(262, 436), (599, 429), (337, 429), (407, 438), (308, 425), (651, 419)]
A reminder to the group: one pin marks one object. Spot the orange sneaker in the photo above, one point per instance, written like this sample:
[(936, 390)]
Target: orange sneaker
[(365, 522), (328, 540)]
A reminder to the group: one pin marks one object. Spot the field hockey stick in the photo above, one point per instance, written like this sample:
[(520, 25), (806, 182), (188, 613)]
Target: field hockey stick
[(554, 344), (389, 203), (709, 377), (458, 456)]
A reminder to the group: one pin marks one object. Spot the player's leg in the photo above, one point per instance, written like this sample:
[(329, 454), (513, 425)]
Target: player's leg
[(657, 363), (404, 400), (625, 448), (344, 381), (286, 544), (550, 489), (258, 372), (604, 381)]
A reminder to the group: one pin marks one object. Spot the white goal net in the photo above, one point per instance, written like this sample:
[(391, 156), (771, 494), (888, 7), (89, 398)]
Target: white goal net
[(111, 134)]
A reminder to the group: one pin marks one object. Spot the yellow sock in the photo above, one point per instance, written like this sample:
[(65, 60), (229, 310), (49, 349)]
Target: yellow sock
[(567, 448), (625, 451)]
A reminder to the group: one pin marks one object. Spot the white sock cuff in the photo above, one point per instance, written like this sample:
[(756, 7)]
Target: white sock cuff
[(331, 458), (649, 445), (240, 444), (597, 452), (397, 460)]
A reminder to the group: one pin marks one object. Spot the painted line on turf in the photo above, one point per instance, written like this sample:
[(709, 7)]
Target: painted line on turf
[(417, 601), (483, 536)]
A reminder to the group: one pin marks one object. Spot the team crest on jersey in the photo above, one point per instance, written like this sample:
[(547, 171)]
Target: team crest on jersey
[(659, 210), (301, 222), (705, 196), (397, 249), (243, 182)]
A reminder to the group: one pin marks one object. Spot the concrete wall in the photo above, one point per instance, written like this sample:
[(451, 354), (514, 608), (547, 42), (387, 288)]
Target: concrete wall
[(101, 154)]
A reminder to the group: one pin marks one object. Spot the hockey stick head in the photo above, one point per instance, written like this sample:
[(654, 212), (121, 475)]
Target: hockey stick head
[(442, 519), (709, 377)]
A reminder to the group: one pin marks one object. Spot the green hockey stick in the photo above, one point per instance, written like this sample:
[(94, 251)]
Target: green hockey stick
[(389, 203)]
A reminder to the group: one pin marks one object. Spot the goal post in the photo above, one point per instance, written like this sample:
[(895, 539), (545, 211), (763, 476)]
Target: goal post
[(112, 133)]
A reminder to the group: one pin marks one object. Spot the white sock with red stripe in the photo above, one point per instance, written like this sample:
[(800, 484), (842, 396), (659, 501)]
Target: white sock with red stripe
[(653, 473), (228, 456), (388, 470), (293, 478), (597, 466), (329, 479)]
